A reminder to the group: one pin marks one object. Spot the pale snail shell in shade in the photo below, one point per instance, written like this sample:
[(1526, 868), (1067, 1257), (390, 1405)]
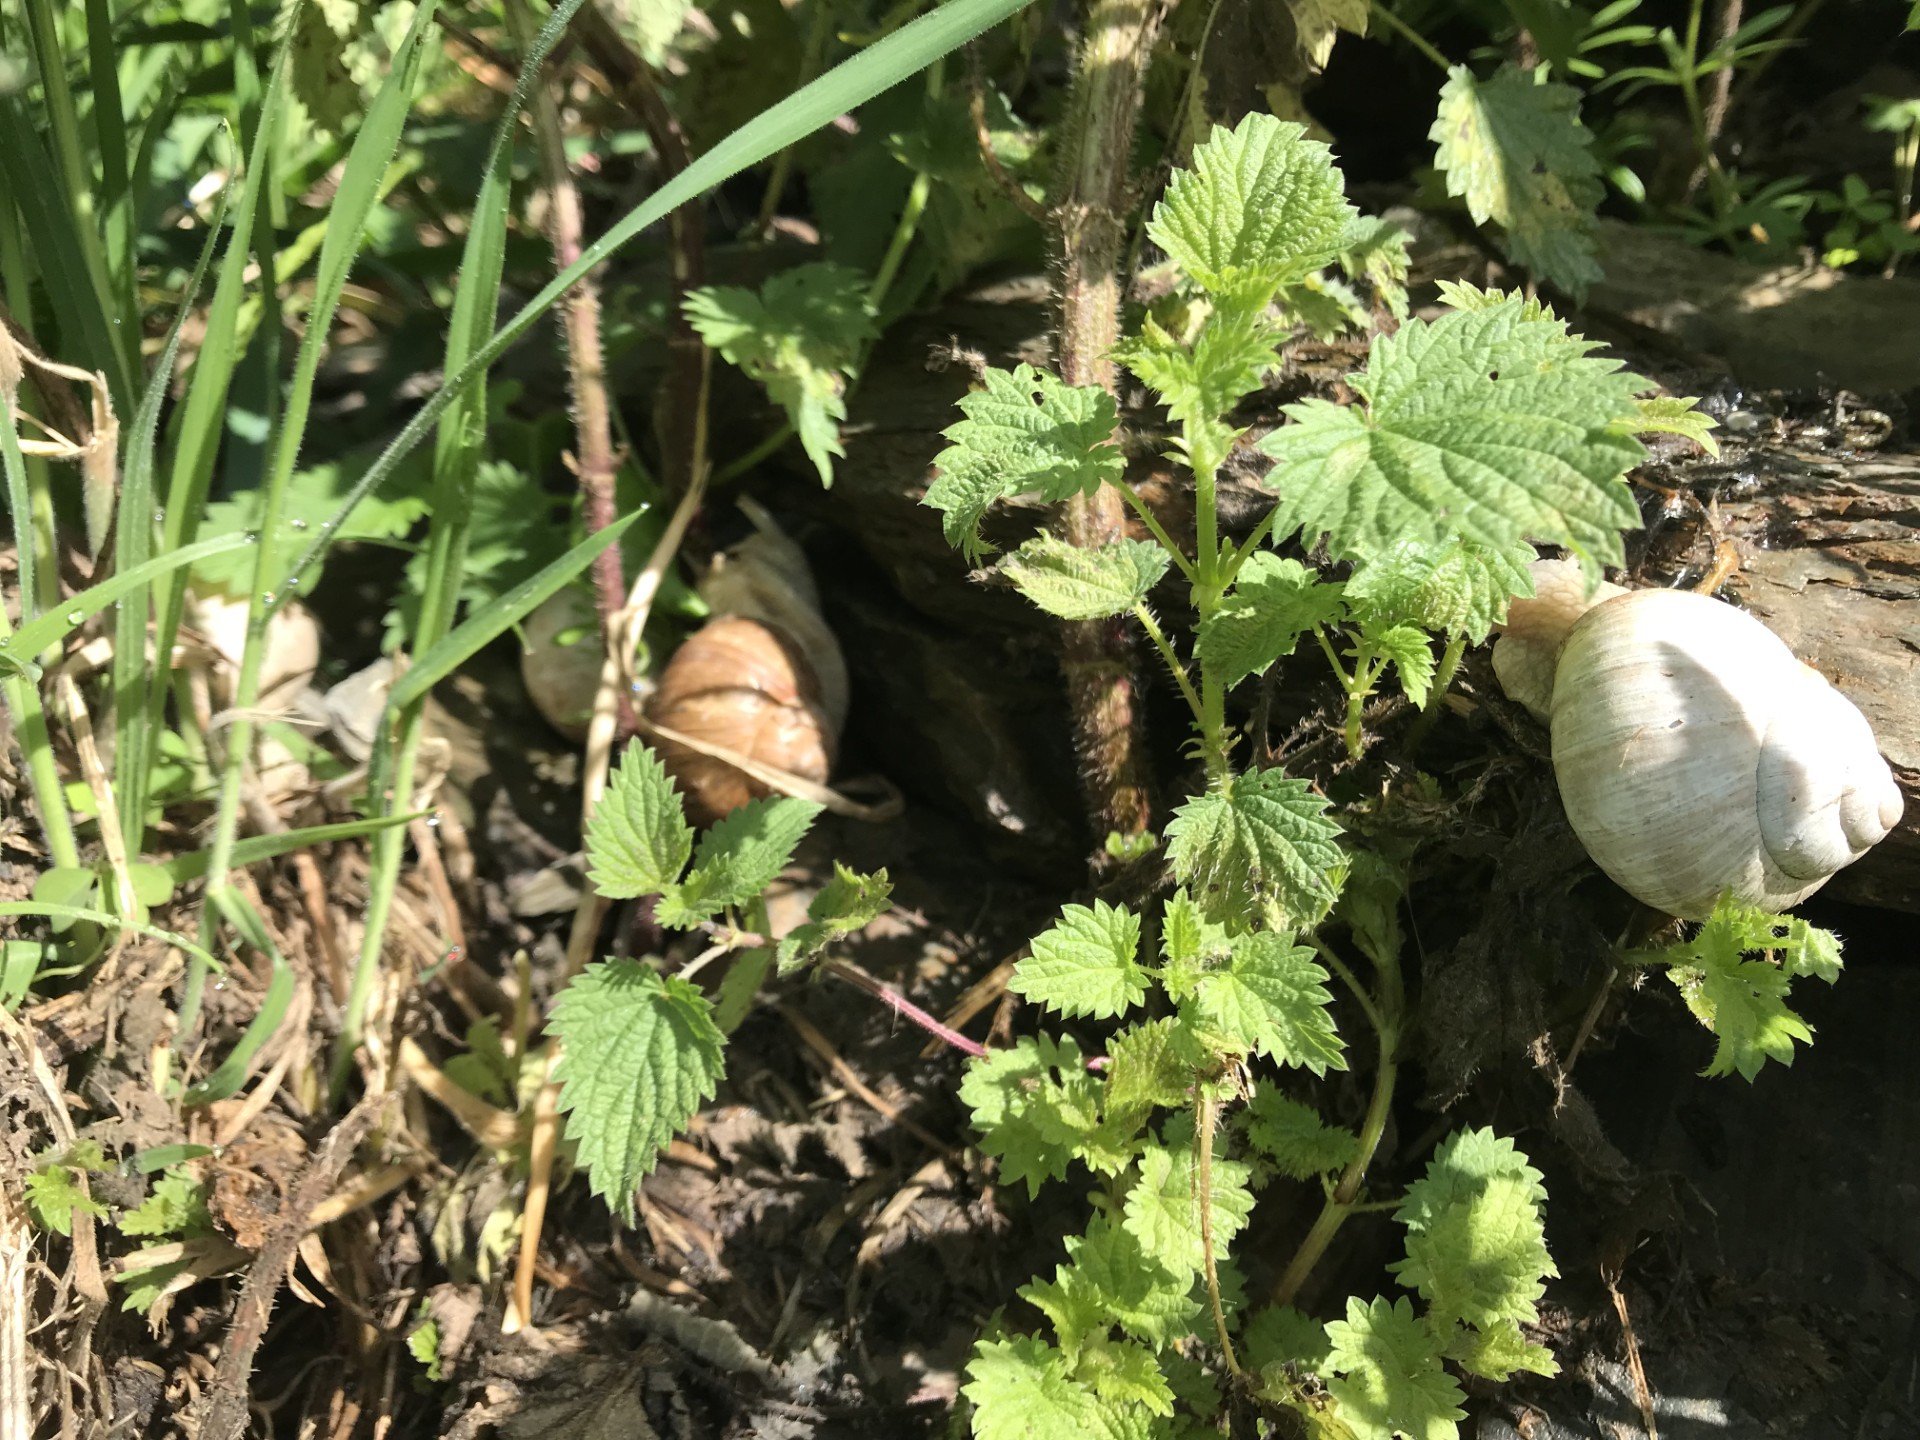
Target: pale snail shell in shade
[(1694, 753)]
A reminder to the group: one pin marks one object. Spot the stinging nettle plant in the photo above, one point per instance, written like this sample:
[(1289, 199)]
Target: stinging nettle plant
[(1473, 435)]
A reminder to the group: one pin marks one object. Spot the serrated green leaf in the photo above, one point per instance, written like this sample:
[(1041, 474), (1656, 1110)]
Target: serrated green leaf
[(1265, 838), (1270, 1000), (1274, 601), (1677, 415), (176, 1205), (1086, 964), (1498, 1351), (1163, 1212), (1490, 424), (1034, 1105), (1260, 207), (1463, 1165), (1482, 1258), (1317, 22), (54, 1193), (1226, 362), (1111, 1281), (1455, 588), (1514, 147), (847, 903), (1295, 1138), (1189, 944), (1124, 1375), (1077, 584), (1144, 1072), (1375, 250), (1388, 1380), (638, 839), (1024, 430), (797, 337), (641, 1053), (736, 860), (1411, 652), (1020, 1390), (1280, 1336), (1743, 1001)]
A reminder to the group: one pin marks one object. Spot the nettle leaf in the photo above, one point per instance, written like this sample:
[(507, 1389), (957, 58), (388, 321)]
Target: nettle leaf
[(1295, 1138), (1411, 651), (1463, 1165), (1742, 1001), (797, 337), (1189, 944), (1025, 430), (1490, 424), (1388, 1379), (53, 1191), (638, 839), (1280, 1336), (1270, 1000), (1265, 838), (1076, 584), (736, 860), (1035, 1106), (1677, 415), (1317, 22), (1514, 147), (1261, 206), (640, 1054), (1125, 1376), (1482, 1258), (1163, 1210), (1085, 965), (1454, 588), (1273, 603), (1021, 1390), (1111, 1281), (1375, 250), (846, 904), (176, 1205), (1499, 1350), (1227, 361), (1145, 1071)]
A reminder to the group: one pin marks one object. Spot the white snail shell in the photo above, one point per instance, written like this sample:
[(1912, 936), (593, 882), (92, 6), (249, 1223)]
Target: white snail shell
[(1693, 752)]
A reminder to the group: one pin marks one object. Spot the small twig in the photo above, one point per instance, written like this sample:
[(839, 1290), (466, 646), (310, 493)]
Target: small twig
[(533, 1214), (1642, 1392), (1719, 87), (847, 1076), (224, 1412)]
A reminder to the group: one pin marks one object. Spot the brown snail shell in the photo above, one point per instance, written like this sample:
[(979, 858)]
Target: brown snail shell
[(744, 686)]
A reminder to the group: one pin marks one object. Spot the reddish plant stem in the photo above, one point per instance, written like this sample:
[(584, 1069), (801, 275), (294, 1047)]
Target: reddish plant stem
[(593, 463), (1089, 211), (903, 1007), (683, 396)]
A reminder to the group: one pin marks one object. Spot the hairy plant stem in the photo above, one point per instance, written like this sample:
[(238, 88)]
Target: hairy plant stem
[(1205, 1119), (586, 364), (1386, 1010), (1089, 210)]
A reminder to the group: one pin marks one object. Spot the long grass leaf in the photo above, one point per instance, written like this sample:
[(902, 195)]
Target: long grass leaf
[(848, 85), (17, 651), (117, 922), (255, 848), (60, 246), (500, 615), (133, 677), (231, 1073)]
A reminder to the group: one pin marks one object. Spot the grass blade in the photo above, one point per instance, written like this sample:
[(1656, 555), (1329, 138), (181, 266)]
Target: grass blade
[(255, 848), (118, 922), (37, 634), (500, 614)]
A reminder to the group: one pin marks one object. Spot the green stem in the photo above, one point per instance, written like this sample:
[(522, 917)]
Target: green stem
[(1406, 32), (1157, 530), (817, 33), (1167, 653), (757, 456), (1386, 1014), (1204, 1120), (903, 234)]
